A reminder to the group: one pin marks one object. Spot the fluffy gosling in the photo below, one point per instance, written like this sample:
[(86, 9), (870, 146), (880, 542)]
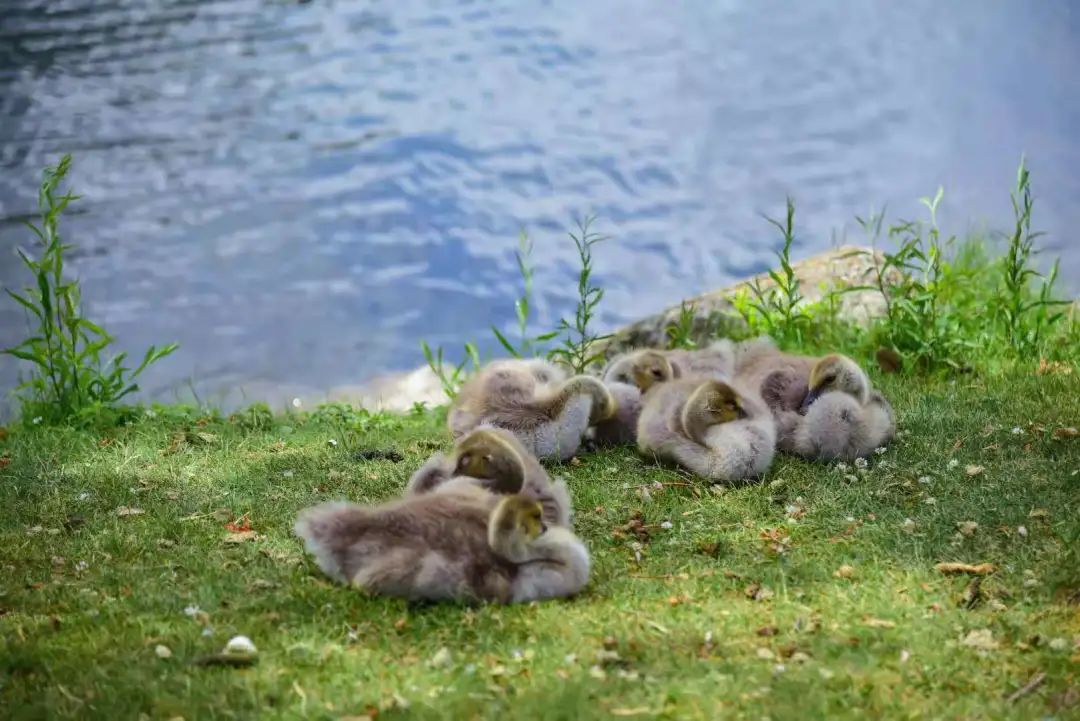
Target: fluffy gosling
[(708, 427), (533, 399)]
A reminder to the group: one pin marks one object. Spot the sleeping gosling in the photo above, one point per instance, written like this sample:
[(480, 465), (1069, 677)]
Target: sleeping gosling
[(709, 428), (534, 400), (458, 543), (648, 367), (495, 460), (840, 416)]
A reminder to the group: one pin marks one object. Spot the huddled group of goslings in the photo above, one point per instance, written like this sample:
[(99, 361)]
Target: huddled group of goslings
[(487, 522)]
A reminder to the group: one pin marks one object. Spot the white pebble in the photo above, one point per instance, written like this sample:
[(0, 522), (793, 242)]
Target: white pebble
[(240, 646), (1022, 531)]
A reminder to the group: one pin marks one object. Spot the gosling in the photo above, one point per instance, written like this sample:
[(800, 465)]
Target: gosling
[(534, 400), (840, 418), (648, 367), (708, 427), (457, 543), (495, 460)]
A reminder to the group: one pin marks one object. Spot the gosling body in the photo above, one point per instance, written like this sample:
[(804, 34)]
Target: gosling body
[(536, 401), (824, 408), (495, 460), (457, 543), (709, 428)]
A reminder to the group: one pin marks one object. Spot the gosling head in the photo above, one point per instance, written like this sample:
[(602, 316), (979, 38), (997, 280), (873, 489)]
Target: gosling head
[(837, 373), (518, 518), (545, 372), (720, 402), (644, 369), (486, 455)]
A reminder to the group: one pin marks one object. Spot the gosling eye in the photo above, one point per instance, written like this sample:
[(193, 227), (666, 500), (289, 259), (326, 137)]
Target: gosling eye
[(622, 378), (830, 379), (657, 374)]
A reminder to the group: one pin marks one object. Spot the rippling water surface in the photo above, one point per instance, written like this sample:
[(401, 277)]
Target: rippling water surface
[(298, 193)]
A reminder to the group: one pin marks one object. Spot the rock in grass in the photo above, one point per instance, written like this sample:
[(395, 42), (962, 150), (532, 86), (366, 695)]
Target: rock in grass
[(238, 652), (240, 646)]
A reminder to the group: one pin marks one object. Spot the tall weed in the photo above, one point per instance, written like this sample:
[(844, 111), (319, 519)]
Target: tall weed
[(579, 341), (69, 380)]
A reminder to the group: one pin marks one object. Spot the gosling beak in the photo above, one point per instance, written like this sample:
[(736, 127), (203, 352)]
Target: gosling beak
[(809, 398)]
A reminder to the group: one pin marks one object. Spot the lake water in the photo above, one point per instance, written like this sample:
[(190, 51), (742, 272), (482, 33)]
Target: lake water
[(298, 193)]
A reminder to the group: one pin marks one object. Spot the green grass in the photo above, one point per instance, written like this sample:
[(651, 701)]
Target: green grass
[(79, 641)]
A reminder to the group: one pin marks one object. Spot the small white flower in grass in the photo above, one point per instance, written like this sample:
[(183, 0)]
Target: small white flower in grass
[(645, 495), (953, 463), (441, 659), (905, 655), (850, 519), (162, 651), (1018, 431), (842, 467), (570, 659), (930, 501), (779, 669), (851, 478), (34, 530), (908, 525), (191, 611), (331, 443), (1059, 644), (861, 463), (287, 474), (657, 486), (208, 631), (925, 480), (37, 420), (1021, 531), (880, 450), (83, 496), (81, 566), (151, 413), (296, 403), (665, 525)]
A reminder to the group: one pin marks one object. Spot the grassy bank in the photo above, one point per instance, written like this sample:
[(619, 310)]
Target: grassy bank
[(740, 606)]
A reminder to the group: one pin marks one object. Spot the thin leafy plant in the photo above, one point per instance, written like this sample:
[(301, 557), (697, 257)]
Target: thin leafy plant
[(527, 347), (578, 348), (778, 309), (69, 380), (450, 376), (681, 333), (1025, 318)]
